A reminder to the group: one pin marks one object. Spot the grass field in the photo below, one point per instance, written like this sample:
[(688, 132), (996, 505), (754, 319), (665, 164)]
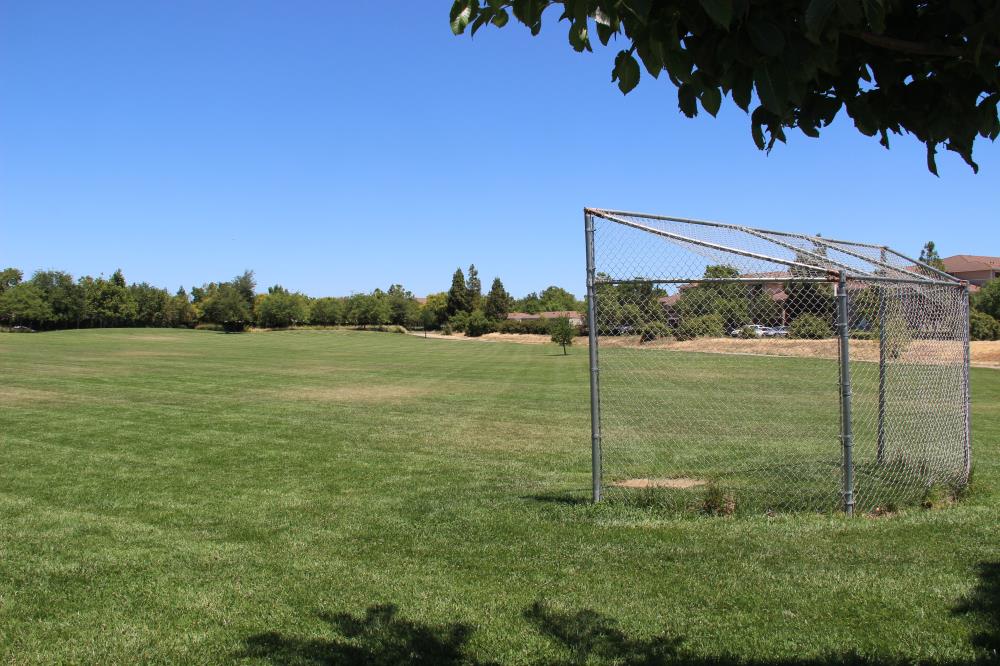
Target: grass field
[(349, 497)]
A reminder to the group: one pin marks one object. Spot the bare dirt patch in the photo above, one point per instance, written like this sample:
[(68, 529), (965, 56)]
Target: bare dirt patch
[(680, 482)]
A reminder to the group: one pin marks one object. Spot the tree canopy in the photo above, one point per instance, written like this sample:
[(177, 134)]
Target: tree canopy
[(931, 69)]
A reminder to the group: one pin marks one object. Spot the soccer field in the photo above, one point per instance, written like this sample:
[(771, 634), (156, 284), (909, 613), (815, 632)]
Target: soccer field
[(353, 497)]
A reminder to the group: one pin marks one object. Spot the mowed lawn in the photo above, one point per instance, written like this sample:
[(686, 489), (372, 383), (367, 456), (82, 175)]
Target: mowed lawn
[(351, 497)]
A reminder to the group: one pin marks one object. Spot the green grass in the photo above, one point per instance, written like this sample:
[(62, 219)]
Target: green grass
[(340, 497)]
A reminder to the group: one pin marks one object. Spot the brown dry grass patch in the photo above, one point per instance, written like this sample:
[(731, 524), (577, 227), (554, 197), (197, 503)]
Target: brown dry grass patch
[(379, 393), (679, 482), (16, 396)]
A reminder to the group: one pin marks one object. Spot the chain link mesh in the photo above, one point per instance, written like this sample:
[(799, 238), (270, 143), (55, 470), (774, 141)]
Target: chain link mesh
[(720, 373)]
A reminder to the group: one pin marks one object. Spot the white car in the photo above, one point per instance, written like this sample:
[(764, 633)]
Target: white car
[(758, 330)]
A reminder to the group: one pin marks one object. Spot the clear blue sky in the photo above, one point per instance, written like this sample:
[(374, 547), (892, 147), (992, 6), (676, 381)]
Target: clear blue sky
[(338, 146)]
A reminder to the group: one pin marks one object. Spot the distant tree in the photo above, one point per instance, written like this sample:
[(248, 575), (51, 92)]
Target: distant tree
[(65, 297), (557, 299), (437, 305), (428, 318), (562, 332), (326, 311), (375, 310), (118, 278), (9, 277), (474, 288), (929, 255), (532, 304), (151, 304), (498, 302), (403, 307), (225, 304), (458, 294), (24, 304), (246, 286), (988, 299), (109, 302), (279, 308), (180, 311)]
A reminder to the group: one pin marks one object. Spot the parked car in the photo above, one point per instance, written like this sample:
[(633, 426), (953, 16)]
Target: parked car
[(758, 330), (779, 332)]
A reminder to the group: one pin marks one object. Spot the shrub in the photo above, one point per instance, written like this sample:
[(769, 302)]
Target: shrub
[(477, 324), (652, 330), (809, 327), (535, 326), (716, 502), (458, 321), (447, 329), (706, 326), (748, 333), (983, 327)]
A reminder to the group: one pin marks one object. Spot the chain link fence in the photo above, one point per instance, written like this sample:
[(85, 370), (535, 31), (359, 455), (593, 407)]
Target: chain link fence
[(742, 370)]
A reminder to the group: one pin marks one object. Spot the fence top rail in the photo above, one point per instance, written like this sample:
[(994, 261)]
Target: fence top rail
[(831, 278), (879, 266)]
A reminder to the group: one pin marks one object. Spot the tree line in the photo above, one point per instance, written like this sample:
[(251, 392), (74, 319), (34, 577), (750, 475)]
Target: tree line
[(51, 300)]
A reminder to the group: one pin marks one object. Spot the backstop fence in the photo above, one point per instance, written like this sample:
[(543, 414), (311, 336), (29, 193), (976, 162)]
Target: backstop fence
[(770, 370)]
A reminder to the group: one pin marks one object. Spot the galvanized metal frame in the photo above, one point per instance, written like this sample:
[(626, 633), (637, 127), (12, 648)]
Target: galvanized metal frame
[(826, 269)]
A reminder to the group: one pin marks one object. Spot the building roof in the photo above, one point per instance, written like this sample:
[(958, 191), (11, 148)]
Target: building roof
[(551, 314), (963, 263)]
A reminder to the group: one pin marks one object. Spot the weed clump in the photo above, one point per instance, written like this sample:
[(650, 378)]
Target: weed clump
[(716, 502)]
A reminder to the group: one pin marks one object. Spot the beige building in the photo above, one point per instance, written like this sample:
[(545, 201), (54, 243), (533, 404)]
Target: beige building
[(977, 270)]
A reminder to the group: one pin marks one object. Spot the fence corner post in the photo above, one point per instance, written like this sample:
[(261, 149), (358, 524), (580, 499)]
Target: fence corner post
[(846, 429), (595, 393)]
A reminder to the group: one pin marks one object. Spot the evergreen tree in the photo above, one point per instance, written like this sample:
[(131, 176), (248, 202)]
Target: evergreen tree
[(498, 301), (929, 255), (474, 287), (458, 294)]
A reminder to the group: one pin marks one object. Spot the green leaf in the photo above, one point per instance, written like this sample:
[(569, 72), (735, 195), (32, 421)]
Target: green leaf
[(772, 88), (720, 11), (626, 72), (650, 58), (640, 8), (817, 14), (578, 37), (711, 100), (931, 161), (875, 15), (461, 12), (500, 18), (687, 100), (742, 89), (766, 36)]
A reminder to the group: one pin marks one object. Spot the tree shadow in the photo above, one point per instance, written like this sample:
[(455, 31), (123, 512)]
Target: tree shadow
[(380, 637), (982, 605)]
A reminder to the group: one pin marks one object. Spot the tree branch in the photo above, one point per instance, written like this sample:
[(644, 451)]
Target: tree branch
[(914, 48)]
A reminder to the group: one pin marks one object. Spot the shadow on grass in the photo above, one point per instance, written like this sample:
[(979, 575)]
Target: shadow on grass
[(379, 637), (570, 498), (982, 607), (382, 637)]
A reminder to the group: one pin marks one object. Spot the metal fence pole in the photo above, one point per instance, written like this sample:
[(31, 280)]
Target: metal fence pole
[(846, 430), (966, 394), (880, 446), (595, 390)]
